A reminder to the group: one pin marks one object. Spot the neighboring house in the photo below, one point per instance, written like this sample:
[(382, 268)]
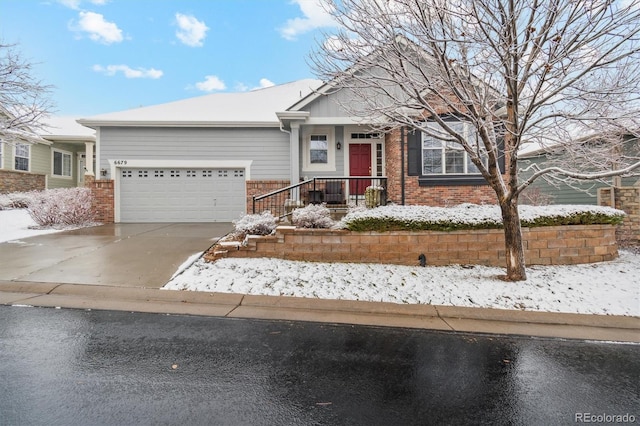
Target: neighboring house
[(203, 159), (53, 158), (574, 191)]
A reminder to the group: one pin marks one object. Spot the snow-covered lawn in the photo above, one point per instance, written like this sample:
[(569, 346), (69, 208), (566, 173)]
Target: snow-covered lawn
[(609, 288), (17, 224)]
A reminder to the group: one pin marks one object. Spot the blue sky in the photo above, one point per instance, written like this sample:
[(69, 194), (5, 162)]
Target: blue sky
[(112, 55)]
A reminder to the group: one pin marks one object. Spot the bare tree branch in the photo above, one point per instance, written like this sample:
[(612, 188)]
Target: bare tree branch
[(24, 100)]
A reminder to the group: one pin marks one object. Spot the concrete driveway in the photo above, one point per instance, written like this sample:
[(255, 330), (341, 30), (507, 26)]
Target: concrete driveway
[(131, 254)]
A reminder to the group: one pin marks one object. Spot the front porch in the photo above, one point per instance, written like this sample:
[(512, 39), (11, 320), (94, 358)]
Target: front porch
[(337, 193)]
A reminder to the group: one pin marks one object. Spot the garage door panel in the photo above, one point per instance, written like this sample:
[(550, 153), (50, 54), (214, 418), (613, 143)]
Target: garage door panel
[(181, 195)]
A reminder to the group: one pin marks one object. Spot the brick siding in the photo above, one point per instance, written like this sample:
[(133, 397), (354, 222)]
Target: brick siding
[(543, 246), (261, 187), (426, 195), (17, 181)]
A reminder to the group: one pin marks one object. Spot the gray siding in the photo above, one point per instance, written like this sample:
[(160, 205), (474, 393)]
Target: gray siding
[(329, 105), (587, 192), (267, 147), (339, 157), (579, 192)]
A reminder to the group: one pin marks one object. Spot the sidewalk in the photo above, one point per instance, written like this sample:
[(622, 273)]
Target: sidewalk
[(445, 318)]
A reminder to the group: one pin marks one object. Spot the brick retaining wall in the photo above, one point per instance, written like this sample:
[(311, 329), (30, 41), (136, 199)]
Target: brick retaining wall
[(17, 181), (544, 246)]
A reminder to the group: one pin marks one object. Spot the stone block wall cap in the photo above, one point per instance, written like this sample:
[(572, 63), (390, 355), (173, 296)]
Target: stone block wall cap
[(230, 243)]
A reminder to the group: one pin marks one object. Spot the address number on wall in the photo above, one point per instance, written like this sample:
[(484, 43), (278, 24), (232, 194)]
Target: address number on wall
[(120, 162)]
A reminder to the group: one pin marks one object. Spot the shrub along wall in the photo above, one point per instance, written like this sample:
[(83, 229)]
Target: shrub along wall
[(548, 245)]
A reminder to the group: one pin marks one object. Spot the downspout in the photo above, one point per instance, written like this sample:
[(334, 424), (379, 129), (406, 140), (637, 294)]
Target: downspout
[(402, 136)]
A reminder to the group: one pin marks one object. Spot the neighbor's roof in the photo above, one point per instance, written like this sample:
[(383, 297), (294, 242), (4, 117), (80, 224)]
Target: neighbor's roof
[(66, 128), (256, 108)]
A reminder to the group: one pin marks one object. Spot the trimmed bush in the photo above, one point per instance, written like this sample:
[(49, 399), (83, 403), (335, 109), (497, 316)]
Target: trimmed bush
[(312, 216), (61, 207), (255, 224)]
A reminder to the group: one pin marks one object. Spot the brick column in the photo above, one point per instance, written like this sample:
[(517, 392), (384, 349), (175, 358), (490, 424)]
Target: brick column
[(103, 198)]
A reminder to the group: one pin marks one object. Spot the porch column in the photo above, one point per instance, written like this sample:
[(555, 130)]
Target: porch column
[(294, 152), (88, 160)]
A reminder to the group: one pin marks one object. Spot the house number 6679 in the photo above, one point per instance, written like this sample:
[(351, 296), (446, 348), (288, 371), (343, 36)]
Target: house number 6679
[(120, 162)]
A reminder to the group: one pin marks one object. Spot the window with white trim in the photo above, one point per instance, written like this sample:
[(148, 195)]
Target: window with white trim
[(22, 155), (448, 158), (319, 149), (61, 163), (1, 155)]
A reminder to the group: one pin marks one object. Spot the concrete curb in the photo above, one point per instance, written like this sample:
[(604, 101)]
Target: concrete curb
[(449, 318)]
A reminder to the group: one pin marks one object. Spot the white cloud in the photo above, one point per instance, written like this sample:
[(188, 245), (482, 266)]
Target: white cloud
[(314, 16), (111, 70), (211, 83), (71, 4), (191, 31), (98, 28), (75, 4), (264, 82)]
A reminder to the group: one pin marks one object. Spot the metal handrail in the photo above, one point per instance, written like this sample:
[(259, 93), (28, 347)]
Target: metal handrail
[(277, 191), (312, 184)]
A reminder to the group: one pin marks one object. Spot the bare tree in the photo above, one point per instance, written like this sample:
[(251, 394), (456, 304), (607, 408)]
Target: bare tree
[(519, 71), (24, 100)]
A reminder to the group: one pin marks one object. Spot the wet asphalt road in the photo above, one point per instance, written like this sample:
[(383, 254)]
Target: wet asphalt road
[(66, 367)]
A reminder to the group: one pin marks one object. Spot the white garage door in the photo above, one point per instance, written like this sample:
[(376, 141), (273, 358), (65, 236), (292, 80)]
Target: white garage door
[(181, 195)]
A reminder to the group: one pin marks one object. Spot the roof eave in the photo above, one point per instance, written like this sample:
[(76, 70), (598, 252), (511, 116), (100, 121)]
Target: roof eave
[(155, 123), (69, 138)]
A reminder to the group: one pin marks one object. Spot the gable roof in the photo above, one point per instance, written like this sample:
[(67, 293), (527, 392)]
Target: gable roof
[(256, 108)]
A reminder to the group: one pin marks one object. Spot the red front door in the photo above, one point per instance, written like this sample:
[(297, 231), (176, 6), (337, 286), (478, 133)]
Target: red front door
[(359, 165)]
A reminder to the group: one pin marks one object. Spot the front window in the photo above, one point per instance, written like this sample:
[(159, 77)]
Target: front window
[(319, 149), (61, 164), (22, 157), (449, 158)]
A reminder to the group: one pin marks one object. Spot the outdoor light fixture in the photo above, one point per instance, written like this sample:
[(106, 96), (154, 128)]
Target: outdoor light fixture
[(338, 145), (103, 172)]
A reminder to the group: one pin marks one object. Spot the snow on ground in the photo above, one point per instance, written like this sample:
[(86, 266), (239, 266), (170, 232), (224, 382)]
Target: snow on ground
[(607, 288), (17, 224)]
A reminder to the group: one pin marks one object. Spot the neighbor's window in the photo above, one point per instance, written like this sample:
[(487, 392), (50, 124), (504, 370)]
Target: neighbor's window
[(319, 149), (22, 157), (440, 157), (61, 163)]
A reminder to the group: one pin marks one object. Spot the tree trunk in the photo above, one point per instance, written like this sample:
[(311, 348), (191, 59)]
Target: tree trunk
[(513, 241)]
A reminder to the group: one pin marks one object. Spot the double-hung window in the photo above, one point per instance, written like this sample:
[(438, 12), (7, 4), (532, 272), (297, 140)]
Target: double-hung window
[(318, 149), (448, 158), (61, 164), (22, 153)]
